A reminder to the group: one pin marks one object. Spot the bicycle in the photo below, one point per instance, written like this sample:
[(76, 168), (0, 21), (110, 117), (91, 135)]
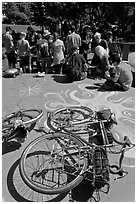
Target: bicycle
[(67, 117), (57, 162), (82, 120), (17, 124)]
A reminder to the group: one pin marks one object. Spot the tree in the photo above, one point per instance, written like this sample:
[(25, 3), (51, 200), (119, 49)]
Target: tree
[(18, 18), (9, 8), (46, 13), (16, 12)]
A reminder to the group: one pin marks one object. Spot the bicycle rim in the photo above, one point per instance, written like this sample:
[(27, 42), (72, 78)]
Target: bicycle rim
[(52, 164), (27, 116), (80, 115)]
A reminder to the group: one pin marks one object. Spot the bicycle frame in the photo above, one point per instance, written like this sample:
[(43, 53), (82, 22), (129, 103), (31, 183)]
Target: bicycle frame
[(126, 144), (85, 151), (73, 157)]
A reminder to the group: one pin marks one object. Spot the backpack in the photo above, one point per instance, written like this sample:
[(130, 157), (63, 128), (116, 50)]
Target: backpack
[(104, 114), (73, 71), (95, 179)]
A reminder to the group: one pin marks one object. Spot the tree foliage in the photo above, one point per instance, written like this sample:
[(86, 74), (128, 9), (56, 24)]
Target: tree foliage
[(98, 12)]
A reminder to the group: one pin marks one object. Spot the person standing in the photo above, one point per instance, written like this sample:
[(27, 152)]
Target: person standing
[(24, 52), (113, 46), (72, 39), (10, 48), (57, 50), (39, 44), (45, 53), (85, 48), (31, 36)]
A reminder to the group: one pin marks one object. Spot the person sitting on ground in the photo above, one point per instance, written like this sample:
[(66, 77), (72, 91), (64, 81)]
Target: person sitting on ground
[(76, 65), (103, 63), (23, 52), (119, 77), (97, 40)]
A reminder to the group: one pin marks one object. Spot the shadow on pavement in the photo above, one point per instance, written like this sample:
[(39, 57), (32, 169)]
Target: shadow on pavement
[(61, 79), (11, 146), (10, 183), (94, 86), (83, 192), (22, 193), (91, 87), (16, 187)]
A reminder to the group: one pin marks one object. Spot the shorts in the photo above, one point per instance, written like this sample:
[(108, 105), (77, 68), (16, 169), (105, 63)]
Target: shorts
[(11, 57), (24, 61)]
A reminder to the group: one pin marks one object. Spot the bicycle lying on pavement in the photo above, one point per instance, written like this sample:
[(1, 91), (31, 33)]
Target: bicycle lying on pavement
[(16, 124), (58, 161)]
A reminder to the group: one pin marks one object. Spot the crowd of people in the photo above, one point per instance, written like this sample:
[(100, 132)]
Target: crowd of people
[(77, 55)]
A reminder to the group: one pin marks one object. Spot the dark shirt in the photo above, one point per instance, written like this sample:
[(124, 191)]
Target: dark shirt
[(32, 39), (103, 43), (77, 60)]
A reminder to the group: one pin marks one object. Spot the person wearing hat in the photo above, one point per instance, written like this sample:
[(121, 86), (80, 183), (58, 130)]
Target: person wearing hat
[(57, 50), (23, 48), (119, 76), (45, 52)]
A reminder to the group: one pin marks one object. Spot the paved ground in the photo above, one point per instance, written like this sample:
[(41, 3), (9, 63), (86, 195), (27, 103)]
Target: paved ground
[(50, 93)]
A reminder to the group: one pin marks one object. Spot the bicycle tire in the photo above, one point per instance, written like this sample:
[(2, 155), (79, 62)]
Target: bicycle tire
[(33, 116), (85, 112), (72, 175)]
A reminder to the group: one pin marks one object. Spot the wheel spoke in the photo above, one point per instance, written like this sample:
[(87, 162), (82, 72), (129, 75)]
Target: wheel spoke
[(55, 168)]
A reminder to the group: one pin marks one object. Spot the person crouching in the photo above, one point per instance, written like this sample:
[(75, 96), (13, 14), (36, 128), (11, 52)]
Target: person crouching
[(119, 77)]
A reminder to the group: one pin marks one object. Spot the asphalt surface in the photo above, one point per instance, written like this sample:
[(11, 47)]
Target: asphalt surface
[(49, 93)]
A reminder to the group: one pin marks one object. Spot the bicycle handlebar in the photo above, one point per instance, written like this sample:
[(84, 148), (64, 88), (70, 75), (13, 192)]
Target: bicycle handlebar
[(119, 170)]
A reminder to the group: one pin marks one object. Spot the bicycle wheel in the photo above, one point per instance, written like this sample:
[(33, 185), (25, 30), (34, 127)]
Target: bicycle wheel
[(53, 164), (26, 116), (69, 117)]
